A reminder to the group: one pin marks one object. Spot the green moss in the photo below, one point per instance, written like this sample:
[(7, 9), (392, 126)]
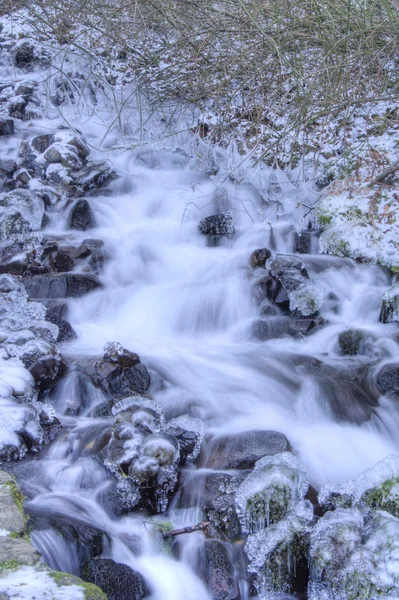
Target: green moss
[(268, 508), (285, 567), (380, 497), (19, 498), (91, 591), (17, 536), (325, 219), (10, 565)]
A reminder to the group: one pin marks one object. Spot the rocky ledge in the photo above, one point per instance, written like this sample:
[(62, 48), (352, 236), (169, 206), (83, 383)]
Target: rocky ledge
[(20, 563)]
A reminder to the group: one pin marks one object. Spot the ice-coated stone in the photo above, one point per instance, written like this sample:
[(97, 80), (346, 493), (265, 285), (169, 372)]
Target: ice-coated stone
[(113, 351), (375, 488), (163, 447), (278, 555), (189, 432), (390, 305), (354, 557), (70, 138), (273, 489), (65, 154), (144, 469), (21, 211), (307, 299)]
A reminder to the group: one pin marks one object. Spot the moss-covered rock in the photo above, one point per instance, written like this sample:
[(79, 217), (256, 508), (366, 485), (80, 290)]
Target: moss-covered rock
[(278, 556), (275, 486), (351, 341), (353, 557)]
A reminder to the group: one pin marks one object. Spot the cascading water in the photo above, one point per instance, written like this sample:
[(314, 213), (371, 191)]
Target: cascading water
[(188, 306)]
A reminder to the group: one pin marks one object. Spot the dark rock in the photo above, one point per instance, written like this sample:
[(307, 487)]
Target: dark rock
[(215, 494), (120, 382), (81, 217), (66, 331), (282, 262), (217, 570), (24, 55), (6, 127), (56, 309), (47, 371), (242, 450), (60, 285), (17, 107), (8, 167), (188, 441), (118, 581), (12, 450), (62, 262), (221, 224), (259, 257), (95, 174), (40, 143), (351, 341), (306, 242), (275, 327), (388, 378), (349, 393)]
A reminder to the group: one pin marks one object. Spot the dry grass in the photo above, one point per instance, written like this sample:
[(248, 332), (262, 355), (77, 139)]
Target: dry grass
[(274, 69)]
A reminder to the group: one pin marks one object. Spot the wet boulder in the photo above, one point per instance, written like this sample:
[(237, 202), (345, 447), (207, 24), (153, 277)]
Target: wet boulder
[(6, 126), (349, 391), (40, 143), (351, 341), (390, 305), (118, 581), (65, 330), (48, 370), (62, 262), (288, 286), (96, 174), (61, 285), (259, 257), (120, 373), (81, 216), (215, 494), (388, 378), (189, 433), (221, 224), (242, 450), (278, 326), (217, 570)]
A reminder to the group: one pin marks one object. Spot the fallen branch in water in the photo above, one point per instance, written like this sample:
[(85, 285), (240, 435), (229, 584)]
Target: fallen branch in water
[(199, 527), (384, 174)]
